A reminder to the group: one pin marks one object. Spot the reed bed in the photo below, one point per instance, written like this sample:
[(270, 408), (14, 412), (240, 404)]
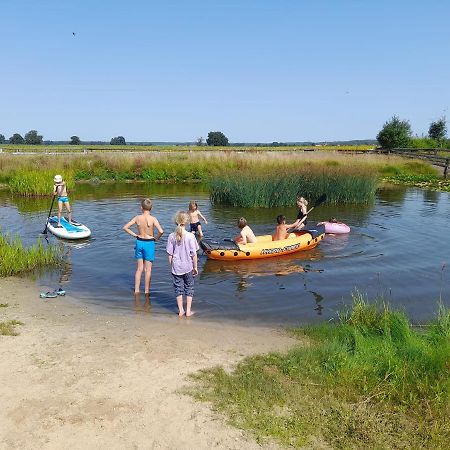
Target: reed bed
[(371, 380), (282, 188), (17, 259), (31, 175)]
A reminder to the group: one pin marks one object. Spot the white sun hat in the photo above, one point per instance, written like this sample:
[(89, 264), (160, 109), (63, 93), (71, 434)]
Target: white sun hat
[(57, 179)]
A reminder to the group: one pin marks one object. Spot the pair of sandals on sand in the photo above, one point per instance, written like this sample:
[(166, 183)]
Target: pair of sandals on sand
[(53, 294)]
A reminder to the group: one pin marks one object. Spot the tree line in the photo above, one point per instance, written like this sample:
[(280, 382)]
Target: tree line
[(397, 133)]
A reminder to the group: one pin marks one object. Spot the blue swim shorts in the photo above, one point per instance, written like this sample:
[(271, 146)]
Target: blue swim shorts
[(145, 249), (63, 199)]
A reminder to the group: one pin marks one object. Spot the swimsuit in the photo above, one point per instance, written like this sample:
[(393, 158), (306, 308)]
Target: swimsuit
[(145, 249), (194, 227), (63, 199), (300, 217)]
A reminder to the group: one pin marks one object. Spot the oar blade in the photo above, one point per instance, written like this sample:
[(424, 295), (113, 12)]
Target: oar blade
[(320, 200)]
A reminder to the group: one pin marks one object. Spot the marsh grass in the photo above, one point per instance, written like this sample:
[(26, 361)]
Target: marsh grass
[(31, 175), (371, 380), (16, 259), (8, 328)]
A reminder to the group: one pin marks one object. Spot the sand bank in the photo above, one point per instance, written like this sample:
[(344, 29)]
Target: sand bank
[(80, 379)]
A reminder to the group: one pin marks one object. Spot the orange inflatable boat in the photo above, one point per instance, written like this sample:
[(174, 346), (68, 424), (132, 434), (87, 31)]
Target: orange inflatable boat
[(264, 247)]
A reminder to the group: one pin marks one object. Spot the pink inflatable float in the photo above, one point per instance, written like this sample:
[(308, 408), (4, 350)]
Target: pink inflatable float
[(336, 227)]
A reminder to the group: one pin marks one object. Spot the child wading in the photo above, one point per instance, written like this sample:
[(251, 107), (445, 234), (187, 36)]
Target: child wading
[(194, 217), (145, 244), (182, 250), (60, 190)]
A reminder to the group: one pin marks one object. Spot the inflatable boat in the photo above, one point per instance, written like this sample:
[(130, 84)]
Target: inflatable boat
[(264, 247), (67, 230), (335, 227)]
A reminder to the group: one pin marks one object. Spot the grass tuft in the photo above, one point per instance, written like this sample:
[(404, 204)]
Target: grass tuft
[(8, 328), (371, 380)]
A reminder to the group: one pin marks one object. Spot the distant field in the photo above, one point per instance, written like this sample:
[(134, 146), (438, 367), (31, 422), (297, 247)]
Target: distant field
[(13, 148)]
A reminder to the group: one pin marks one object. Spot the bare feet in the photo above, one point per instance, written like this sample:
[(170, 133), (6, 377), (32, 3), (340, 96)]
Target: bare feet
[(181, 314), (190, 313)]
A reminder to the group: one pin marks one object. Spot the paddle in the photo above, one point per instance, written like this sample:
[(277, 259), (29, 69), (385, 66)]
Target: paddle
[(317, 203), (49, 214)]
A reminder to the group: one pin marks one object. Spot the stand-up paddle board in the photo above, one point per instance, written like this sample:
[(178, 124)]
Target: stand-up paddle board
[(67, 230)]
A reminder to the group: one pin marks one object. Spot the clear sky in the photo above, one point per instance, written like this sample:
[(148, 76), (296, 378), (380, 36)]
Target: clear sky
[(260, 71)]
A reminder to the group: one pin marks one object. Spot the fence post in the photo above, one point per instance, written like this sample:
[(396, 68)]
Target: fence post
[(446, 168)]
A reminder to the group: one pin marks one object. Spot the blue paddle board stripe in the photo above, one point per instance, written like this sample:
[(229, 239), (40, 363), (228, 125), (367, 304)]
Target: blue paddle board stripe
[(68, 226)]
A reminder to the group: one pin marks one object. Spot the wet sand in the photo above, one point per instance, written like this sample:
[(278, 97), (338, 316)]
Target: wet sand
[(75, 378)]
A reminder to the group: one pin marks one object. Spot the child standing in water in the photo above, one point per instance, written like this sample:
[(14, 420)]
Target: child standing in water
[(60, 190), (145, 244), (194, 217), (182, 250)]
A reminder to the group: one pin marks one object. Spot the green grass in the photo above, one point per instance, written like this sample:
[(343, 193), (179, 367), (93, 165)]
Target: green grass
[(369, 381), (8, 328), (336, 172), (4, 305), (17, 259), (282, 188)]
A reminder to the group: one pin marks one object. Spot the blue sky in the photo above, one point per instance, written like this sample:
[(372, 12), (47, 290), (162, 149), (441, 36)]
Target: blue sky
[(259, 71)]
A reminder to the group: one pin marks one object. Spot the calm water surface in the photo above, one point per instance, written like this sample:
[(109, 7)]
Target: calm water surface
[(399, 248)]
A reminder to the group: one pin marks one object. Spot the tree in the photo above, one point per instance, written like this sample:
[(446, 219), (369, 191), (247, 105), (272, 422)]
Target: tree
[(119, 140), (16, 138), (2, 139), (199, 141), (32, 138), (216, 138), (395, 133), (438, 130), (75, 140)]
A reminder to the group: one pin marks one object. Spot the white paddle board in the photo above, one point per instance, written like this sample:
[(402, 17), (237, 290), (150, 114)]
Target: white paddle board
[(68, 230)]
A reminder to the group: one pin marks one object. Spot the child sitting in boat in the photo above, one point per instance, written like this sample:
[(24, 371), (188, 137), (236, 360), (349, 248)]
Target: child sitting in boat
[(281, 231), (302, 215), (194, 217), (246, 236)]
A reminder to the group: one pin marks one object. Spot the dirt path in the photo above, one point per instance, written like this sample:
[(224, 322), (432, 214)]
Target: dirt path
[(80, 380)]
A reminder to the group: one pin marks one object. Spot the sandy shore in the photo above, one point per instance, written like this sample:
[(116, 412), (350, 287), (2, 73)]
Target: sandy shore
[(78, 379)]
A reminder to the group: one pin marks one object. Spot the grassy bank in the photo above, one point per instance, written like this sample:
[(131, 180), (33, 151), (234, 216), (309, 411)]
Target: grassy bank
[(369, 381), (17, 259), (28, 175)]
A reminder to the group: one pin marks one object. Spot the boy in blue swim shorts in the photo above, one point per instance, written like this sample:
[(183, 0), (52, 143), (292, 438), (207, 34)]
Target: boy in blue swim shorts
[(60, 190), (144, 250)]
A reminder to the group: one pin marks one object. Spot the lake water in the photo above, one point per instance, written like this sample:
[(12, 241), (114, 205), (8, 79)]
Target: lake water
[(399, 248)]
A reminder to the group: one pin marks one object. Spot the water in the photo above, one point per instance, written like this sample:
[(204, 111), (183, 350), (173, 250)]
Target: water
[(398, 248)]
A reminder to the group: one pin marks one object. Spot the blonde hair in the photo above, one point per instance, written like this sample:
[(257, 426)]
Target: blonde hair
[(146, 204), (302, 200), (181, 220), (193, 205)]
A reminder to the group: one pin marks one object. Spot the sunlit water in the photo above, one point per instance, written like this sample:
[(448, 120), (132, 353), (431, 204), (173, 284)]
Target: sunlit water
[(399, 248)]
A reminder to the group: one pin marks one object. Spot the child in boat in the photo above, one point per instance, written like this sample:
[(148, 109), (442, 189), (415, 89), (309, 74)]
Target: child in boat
[(194, 216), (281, 231), (182, 250), (302, 215), (144, 250), (246, 236), (60, 190)]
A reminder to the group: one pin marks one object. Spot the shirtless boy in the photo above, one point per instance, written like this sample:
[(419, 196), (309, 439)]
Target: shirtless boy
[(194, 217), (246, 236), (145, 244), (60, 190), (281, 231)]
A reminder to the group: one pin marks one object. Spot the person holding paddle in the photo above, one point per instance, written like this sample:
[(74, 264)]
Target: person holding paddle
[(60, 190), (303, 212)]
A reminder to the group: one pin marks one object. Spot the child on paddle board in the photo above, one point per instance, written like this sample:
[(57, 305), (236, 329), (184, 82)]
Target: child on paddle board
[(60, 190), (246, 236), (194, 217), (302, 215), (144, 250), (182, 250)]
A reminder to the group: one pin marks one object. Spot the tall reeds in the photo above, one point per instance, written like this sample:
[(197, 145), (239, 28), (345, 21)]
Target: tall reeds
[(17, 259), (282, 188)]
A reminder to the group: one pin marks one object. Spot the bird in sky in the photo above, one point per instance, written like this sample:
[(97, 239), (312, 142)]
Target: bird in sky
[(73, 33)]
